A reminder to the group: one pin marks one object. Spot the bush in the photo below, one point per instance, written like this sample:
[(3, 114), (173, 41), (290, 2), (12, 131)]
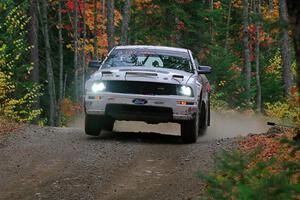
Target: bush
[(234, 179), (263, 167), (287, 111), (69, 110)]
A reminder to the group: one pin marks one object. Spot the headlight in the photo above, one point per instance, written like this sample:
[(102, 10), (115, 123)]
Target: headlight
[(185, 91), (98, 87)]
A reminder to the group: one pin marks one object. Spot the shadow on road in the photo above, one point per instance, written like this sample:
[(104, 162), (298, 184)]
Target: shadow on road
[(139, 137)]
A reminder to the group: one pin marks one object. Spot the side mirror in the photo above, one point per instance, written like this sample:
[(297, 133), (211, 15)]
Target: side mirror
[(95, 64), (204, 70)]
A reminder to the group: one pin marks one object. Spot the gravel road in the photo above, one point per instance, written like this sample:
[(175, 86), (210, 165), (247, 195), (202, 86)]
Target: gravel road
[(64, 163)]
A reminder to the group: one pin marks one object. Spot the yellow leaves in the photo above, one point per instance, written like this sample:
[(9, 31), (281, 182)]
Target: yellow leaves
[(69, 46), (270, 15), (275, 65), (286, 111), (222, 83)]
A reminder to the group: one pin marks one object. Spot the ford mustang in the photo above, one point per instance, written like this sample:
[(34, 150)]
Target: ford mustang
[(153, 84)]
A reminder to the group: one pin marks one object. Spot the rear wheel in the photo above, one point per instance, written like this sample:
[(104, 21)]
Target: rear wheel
[(93, 125), (190, 129)]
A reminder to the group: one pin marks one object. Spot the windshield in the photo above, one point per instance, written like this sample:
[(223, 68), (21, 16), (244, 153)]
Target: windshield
[(149, 58)]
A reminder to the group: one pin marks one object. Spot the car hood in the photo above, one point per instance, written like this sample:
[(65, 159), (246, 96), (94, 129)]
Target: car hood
[(161, 75)]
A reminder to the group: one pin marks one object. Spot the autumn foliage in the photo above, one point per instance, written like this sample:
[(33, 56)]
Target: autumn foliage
[(264, 166), (70, 109)]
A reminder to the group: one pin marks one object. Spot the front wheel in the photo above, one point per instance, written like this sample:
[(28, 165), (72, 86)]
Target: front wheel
[(189, 130), (204, 117), (93, 125)]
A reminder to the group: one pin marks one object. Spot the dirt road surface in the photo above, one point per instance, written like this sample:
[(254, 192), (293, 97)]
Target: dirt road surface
[(64, 163)]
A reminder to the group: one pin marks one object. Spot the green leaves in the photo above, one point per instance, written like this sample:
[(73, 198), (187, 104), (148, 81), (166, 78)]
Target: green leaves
[(17, 93)]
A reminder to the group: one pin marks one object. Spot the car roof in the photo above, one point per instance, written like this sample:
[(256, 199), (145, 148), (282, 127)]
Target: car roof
[(152, 47)]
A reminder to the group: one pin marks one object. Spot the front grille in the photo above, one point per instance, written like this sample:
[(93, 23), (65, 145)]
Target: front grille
[(139, 113), (137, 87)]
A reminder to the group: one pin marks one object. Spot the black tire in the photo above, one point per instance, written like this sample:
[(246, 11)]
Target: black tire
[(93, 125), (189, 130), (203, 121)]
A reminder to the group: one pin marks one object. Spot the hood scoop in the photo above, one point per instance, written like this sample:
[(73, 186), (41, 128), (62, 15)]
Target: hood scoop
[(144, 74), (178, 76), (106, 74)]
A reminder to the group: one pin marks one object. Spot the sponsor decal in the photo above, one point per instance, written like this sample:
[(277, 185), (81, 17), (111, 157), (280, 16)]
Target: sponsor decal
[(140, 101)]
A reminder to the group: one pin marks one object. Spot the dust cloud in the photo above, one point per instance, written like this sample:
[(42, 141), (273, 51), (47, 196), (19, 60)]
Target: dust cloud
[(223, 125)]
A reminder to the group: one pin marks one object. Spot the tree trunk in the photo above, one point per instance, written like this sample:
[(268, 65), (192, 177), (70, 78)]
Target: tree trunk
[(212, 21), (125, 22), (95, 30), (65, 85), (285, 50), (76, 51), (50, 76), (61, 63), (294, 13), (34, 52), (271, 6), (247, 64), (103, 8), (110, 24), (83, 51), (227, 26), (258, 84)]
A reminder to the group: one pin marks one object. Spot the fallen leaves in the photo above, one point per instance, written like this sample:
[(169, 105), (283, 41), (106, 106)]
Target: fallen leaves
[(8, 126)]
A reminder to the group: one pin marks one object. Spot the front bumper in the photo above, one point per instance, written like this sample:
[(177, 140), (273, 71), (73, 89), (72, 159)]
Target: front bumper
[(181, 108)]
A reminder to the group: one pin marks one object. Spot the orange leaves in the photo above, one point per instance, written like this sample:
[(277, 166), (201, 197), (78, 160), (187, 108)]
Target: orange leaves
[(271, 146), (69, 108), (147, 6), (217, 5), (267, 143), (265, 39)]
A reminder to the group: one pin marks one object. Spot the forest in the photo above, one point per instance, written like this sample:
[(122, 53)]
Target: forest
[(46, 45)]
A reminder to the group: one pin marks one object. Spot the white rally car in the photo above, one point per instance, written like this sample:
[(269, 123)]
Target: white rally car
[(148, 83)]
